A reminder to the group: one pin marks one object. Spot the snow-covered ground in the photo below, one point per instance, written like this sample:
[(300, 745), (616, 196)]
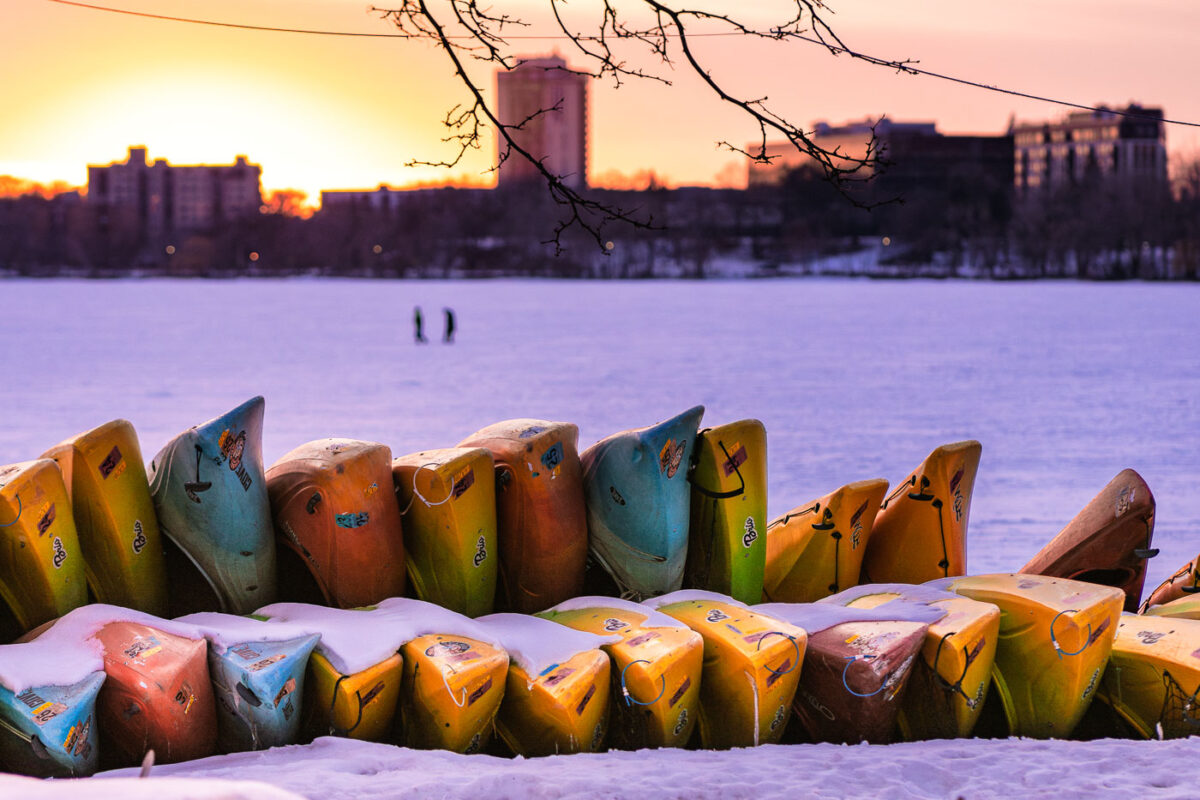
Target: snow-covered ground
[(1065, 384)]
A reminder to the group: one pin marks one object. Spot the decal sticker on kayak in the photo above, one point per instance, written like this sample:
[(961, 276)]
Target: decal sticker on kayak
[(598, 735), (959, 503), (816, 704), (371, 695), (530, 432), (553, 457), (446, 649), (558, 677), (480, 692), (266, 662), (775, 674), (351, 520), (670, 457), (246, 652), (641, 639), (616, 496), (778, 719), (47, 520), (1101, 628), (736, 458), (111, 462), (751, 534), (587, 698), (480, 551), (675, 698), (42, 710), (681, 722), (716, 615), (233, 447), (77, 743), (287, 689), (370, 490), (1125, 499), (139, 537), (143, 647), (1150, 637), (185, 698), (1091, 684), (856, 527), (473, 747), (612, 624), (60, 555), (464, 480)]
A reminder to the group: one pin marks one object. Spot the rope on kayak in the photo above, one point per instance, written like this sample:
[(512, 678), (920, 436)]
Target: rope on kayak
[(630, 699), (191, 488), (791, 639), (719, 495), (968, 659), (815, 507), (850, 660), (1057, 647), (912, 481), (827, 524), (417, 492), (20, 508), (333, 729)]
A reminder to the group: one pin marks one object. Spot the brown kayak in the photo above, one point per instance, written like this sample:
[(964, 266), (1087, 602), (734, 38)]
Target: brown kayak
[(854, 672), (157, 696), (540, 515), (334, 507), (1108, 542)]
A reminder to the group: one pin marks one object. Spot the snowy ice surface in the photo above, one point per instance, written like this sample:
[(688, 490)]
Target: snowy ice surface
[(535, 644), (1064, 383), (224, 631), (918, 594), (688, 595), (16, 788), (653, 619), (817, 617), (65, 653)]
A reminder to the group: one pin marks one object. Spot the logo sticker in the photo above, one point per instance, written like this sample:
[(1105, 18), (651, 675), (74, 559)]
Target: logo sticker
[(480, 692), (736, 458), (670, 457), (642, 638), (1125, 499), (110, 462), (246, 652), (675, 698), (1150, 637), (616, 496), (586, 699), (559, 676), (612, 624), (751, 534), (464, 480), (480, 551), (530, 432), (351, 520), (553, 457), (780, 715), (233, 447), (47, 520), (143, 648), (139, 536), (716, 615), (266, 662), (681, 722), (60, 555), (77, 743), (446, 649), (288, 688)]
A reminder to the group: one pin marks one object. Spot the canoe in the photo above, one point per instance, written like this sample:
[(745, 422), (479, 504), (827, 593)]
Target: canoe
[(210, 495), (727, 548), (114, 516), (1153, 675), (1184, 582), (257, 670), (541, 525), (920, 533), (448, 499), (41, 565), (1108, 542), (556, 697), (752, 664), (656, 666), (157, 696), (856, 666), (338, 522), (1055, 638), (950, 678), (806, 559), (639, 503), (49, 731)]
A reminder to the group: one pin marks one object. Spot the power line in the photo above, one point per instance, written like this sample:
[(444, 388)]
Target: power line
[(875, 60)]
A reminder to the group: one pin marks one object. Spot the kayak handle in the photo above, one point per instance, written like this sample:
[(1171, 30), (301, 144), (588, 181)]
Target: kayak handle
[(20, 508), (1149, 552), (850, 660), (1057, 647), (791, 639), (630, 699)]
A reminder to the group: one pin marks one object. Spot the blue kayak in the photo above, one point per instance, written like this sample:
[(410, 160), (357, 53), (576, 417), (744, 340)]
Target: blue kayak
[(50, 731), (259, 687), (210, 494), (638, 504)]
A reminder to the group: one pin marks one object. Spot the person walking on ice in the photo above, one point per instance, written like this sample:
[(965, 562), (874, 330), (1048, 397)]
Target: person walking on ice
[(449, 337), (418, 335)]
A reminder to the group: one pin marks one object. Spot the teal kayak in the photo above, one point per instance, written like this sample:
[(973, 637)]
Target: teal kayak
[(210, 494), (50, 731), (638, 504)]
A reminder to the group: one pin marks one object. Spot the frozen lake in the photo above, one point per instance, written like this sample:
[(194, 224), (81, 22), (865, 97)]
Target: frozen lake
[(1065, 384)]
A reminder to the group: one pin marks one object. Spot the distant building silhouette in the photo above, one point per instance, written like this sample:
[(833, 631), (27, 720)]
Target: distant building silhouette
[(559, 136), (161, 197), (1101, 143)]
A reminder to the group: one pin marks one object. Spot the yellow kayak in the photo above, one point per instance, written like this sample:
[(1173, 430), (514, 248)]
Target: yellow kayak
[(450, 526), (751, 670), (727, 547), (556, 700), (1153, 675), (453, 686), (41, 565), (1186, 607), (1055, 638), (816, 549), (656, 666), (1184, 582), (950, 680), (360, 705), (114, 516), (920, 533)]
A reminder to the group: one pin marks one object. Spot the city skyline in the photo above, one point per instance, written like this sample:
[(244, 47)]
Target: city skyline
[(332, 112)]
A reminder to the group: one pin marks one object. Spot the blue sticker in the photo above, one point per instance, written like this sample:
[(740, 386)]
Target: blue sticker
[(351, 520), (554, 456)]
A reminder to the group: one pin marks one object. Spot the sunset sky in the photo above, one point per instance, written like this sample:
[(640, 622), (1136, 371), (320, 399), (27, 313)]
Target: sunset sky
[(320, 112)]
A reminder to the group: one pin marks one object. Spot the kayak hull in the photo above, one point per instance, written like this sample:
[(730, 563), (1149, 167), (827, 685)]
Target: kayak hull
[(50, 731), (560, 711), (453, 686)]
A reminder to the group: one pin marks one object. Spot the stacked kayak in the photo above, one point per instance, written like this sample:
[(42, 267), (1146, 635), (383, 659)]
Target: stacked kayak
[(1055, 639), (1185, 581), (816, 549), (336, 514), (856, 666), (656, 664), (541, 523), (210, 495), (727, 548), (556, 699), (1153, 675), (638, 504), (752, 665), (920, 533), (41, 568), (448, 499), (257, 670), (1108, 542), (950, 679), (114, 516)]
